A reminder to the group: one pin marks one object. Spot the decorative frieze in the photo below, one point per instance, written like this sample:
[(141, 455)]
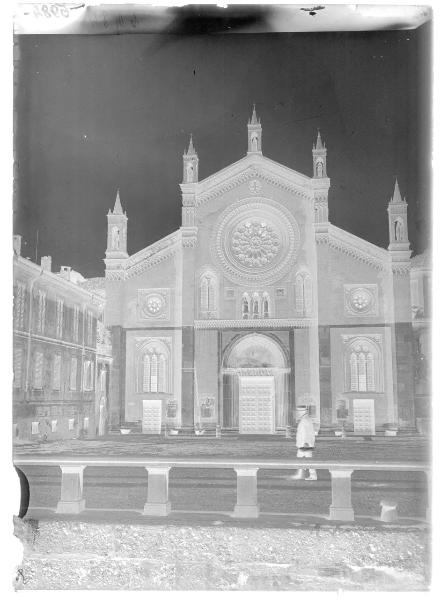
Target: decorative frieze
[(353, 246), (253, 173), (254, 323)]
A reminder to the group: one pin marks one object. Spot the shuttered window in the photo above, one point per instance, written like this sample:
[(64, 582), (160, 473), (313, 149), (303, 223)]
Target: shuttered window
[(38, 371), (56, 373)]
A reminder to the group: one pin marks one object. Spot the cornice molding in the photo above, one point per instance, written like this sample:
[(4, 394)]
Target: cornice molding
[(154, 254), (53, 281), (253, 171), (353, 246)]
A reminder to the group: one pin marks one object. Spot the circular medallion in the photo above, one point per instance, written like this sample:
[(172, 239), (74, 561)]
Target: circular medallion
[(154, 304), (361, 300), (255, 186), (255, 240)]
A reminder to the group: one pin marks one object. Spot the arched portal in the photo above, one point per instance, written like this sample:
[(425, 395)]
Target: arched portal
[(255, 374)]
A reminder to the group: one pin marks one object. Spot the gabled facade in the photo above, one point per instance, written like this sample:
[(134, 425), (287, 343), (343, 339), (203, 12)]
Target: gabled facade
[(257, 304)]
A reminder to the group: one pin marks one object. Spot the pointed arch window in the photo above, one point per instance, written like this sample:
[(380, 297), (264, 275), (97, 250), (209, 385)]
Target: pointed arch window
[(208, 294), (154, 375), (265, 305), (255, 306), (363, 367), (303, 293), (245, 306)]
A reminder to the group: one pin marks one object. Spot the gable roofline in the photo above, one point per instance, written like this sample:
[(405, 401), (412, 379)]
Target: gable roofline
[(354, 246), (248, 161), (153, 253)]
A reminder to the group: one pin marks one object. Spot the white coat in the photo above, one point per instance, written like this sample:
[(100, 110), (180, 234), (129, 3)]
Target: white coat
[(305, 433)]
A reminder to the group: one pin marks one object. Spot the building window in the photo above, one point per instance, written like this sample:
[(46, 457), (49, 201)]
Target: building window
[(155, 371), (18, 367), (265, 305), (303, 293), (56, 374), (245, 306), (255, 306), (38, 370), (73, 372), (89, 328), (88, 375), (363, 367), (75, 323), (208, 293), (41, 319), (60, 314), (20, 299)]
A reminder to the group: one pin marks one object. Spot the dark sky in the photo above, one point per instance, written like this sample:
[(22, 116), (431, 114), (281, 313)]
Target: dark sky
[(94, 113)]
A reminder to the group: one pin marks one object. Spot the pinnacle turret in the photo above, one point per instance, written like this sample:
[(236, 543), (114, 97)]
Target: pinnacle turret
[(319, 145), (319, 152), (255, 134), (191, 150), (254, 120), (118, 206), (397, 196)]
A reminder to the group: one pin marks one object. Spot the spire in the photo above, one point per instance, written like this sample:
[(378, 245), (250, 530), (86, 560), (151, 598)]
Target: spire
[(254, 120), (319, 145), (255, 134), (118, 207), (397, 197), (191, 150)]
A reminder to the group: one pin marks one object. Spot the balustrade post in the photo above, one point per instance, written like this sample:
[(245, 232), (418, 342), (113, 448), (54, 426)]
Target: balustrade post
[(157, 496), (71, 501), (247, 506), (341, 508)]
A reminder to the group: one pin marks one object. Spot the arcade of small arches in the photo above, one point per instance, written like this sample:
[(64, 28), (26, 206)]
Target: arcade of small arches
[(254, 304)]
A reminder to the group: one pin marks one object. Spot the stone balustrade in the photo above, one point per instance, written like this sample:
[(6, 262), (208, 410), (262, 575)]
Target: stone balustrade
[(158, 504)]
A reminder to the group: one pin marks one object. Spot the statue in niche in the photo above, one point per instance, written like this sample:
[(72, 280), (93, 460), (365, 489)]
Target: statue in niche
[(189, 172), (319, 169), (245, 308), (115, 238), (254, 142), (398, 230)]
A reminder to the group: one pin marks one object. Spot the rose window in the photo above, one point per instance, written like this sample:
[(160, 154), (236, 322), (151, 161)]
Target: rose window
[(255, 244)]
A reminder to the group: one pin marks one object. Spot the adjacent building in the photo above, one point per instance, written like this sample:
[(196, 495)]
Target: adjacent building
[(57, 383), (258, 303)]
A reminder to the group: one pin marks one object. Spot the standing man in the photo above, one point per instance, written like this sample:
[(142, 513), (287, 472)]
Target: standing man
[(305, 442)]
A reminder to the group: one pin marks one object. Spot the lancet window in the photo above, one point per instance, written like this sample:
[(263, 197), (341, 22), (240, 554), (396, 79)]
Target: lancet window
[(154, 371), (363, 367), (303, 293)]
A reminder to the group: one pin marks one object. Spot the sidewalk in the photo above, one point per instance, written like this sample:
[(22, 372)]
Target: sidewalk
[(380, 448)]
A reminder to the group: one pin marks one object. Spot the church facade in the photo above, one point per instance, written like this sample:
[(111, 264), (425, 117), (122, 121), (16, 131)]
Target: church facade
[(258, 304)]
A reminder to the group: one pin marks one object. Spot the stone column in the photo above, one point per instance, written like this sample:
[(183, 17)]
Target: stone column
[(71, 501), (157, 496), (188, 378), (307, 367), (247, 506), (341, 508)]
